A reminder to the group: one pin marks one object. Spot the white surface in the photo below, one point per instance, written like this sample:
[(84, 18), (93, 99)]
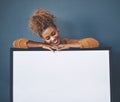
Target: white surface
[(64, 76)]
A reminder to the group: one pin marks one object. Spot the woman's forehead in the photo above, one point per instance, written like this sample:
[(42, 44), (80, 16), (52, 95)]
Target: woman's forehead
[(48, 31)]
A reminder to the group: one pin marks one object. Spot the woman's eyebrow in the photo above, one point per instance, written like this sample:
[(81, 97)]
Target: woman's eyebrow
[(52, 32)]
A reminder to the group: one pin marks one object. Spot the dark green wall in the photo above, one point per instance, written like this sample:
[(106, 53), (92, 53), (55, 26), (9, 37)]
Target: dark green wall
[(76, 19)]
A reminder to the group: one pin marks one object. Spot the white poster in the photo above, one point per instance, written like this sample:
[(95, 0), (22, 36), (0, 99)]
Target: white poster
[(61, 76)]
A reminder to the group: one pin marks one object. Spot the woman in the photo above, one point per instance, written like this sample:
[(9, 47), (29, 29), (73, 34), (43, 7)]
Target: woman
[(42, 23)]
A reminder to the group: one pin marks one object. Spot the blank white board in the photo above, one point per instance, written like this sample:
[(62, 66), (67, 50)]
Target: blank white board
[(61, 76)]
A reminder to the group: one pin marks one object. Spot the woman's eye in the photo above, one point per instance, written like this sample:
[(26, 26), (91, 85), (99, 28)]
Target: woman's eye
[(48, 38), (53, 33)]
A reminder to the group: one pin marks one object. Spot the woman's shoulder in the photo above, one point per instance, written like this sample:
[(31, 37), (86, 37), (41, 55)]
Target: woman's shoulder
[(20, 43)]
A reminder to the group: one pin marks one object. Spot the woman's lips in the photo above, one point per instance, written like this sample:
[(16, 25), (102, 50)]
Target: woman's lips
[(56, 41)]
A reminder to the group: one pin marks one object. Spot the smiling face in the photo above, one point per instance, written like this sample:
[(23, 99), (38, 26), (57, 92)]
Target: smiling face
[(51, 36)]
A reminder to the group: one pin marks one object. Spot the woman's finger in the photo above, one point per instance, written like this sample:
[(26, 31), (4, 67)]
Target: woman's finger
[(46, 47)]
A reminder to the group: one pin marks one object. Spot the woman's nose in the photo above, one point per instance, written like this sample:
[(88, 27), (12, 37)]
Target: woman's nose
[(52, 38)]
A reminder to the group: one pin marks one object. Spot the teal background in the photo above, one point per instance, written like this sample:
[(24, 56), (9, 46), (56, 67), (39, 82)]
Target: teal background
[(75, 18)]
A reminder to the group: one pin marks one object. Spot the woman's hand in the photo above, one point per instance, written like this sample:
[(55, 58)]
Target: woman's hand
[(67, 46), (49, 47), (63, 46)]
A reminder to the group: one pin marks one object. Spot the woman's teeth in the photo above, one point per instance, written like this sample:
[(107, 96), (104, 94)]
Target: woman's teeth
[(55, 41)]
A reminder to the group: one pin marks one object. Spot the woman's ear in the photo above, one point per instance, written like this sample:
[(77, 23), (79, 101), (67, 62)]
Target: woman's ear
[(41, 37)]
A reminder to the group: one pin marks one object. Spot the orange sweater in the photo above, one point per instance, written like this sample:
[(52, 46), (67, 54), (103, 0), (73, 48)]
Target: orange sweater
[(84, 43)]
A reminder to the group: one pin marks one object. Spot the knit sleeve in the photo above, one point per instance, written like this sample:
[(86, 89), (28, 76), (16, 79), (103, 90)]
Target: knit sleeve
[(88, 43), (20, 43), (84, 43)]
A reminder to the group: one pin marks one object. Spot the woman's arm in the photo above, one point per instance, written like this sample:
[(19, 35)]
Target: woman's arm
[(88, 43), (82, 43), (25, 43)]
